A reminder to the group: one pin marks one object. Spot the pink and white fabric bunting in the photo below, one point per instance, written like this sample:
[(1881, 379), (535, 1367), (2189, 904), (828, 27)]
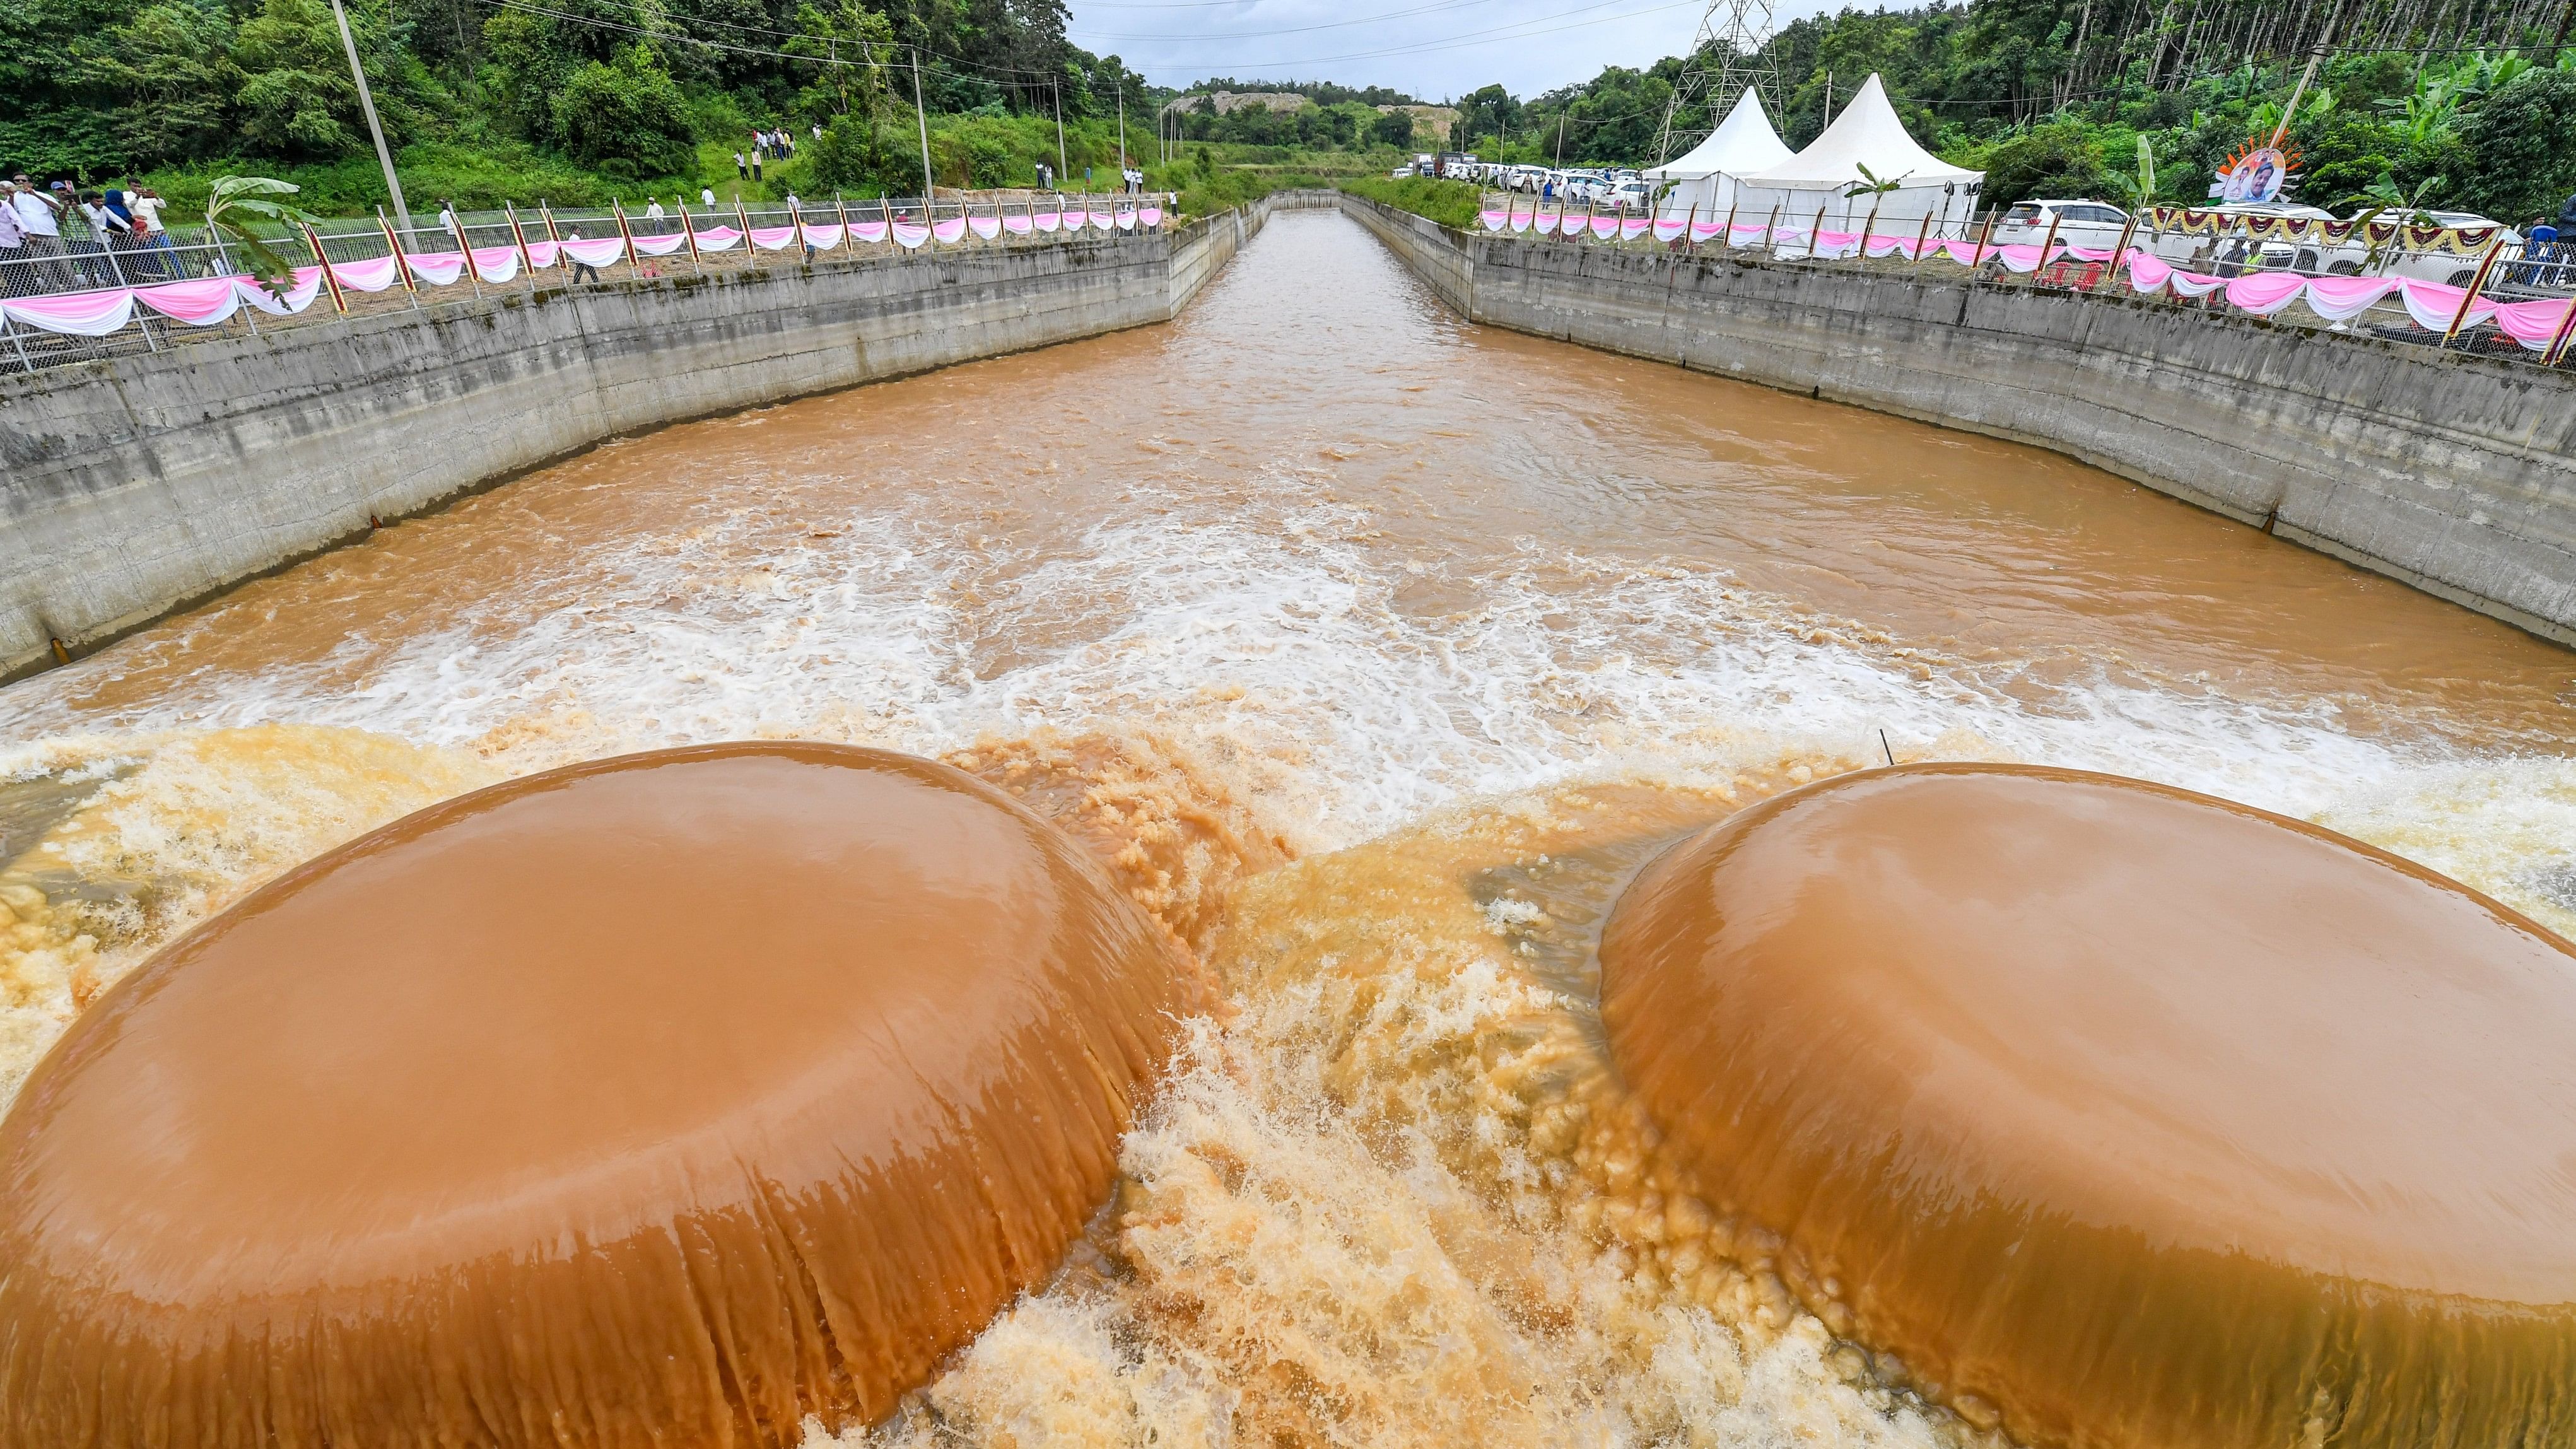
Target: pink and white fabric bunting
[(1705, 230), (987, 227), (1671, 231), (1494, 218), (2025, 259), (1748, 234), (439, 269), (496, 264), (1633, 227), (596, 251), (2533, 324), (662, 245), (950, 231), (2433, 305), (202, 302), (1127, 219), (871, 232), (377, 273), (910, 235), (823, 237), (718, 239), (301, 289), (2264, 293), (1050, 220), (541, 255), (1019, 223), (77, 314), (1150, 218), (1605, 227), (1522, 220), (2340, 299), (1102, 220), (773, 238)]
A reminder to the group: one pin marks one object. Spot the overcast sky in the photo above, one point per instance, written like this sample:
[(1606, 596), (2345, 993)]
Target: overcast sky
[(1434, 48)]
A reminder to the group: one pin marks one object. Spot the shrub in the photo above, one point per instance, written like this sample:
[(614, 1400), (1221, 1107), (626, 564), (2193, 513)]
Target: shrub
[(627, 119)]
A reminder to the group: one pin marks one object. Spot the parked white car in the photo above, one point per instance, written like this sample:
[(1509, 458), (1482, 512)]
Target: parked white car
[(1629, 196), (2090, 224)]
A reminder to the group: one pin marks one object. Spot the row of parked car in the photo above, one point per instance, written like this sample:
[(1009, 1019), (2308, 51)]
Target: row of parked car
[(2098, 224), (1610, 189)]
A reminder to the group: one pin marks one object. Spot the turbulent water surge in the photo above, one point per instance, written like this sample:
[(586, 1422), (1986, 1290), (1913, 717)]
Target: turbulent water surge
[(1372, 652)]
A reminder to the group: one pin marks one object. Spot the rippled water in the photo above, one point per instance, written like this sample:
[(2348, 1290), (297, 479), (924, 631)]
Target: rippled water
[(1452, 621)]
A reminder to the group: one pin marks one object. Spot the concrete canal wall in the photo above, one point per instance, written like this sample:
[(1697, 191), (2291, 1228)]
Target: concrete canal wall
[(136, 485), (2451, 472)]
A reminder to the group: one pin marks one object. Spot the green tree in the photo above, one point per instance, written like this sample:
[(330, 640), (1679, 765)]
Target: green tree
[(1394, 128), (173, 64), (627, 118), (2054, 160), (2521, 144), (296, 98)]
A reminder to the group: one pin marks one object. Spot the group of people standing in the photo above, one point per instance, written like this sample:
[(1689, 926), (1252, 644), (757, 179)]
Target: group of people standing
[(55, 238), (770, 144)]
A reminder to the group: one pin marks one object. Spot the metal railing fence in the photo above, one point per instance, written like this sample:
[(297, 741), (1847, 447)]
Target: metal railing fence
[(80, 261)]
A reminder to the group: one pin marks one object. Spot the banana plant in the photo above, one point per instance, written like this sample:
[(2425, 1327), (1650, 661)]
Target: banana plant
[(1876, 190), (234, 202), (2407, 208)]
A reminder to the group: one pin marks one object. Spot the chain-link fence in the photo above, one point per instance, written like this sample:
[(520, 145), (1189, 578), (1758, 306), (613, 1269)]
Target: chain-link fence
[(2400, 291)]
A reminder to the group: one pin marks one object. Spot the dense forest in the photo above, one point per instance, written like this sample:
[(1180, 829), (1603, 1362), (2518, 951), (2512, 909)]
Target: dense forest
[(2461, 103), (2466, 103), (569, 98)]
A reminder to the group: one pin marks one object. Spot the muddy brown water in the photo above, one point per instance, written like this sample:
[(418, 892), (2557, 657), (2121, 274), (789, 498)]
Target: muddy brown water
[(1374, 651)]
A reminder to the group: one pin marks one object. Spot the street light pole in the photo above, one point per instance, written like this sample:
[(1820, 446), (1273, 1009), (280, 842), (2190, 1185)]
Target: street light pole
[(367, 103)]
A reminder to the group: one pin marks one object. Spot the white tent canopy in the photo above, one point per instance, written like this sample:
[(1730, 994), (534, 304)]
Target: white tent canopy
[(1704, 180), (1866, 136)]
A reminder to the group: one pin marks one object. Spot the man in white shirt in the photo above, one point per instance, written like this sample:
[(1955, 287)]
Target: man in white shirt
[(707, 197), (42, 222), (14, 279)]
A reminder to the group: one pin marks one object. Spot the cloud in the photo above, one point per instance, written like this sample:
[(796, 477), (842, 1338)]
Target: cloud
[(1435, 49)]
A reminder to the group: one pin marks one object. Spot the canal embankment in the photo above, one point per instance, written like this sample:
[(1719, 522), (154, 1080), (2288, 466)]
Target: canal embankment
[(2448, 471), (135, 486)]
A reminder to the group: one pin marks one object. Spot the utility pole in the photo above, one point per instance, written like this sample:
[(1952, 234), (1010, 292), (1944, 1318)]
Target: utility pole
[(929, 186), (2281, 132), (367, 103), (1122, 128), (1056, 88)]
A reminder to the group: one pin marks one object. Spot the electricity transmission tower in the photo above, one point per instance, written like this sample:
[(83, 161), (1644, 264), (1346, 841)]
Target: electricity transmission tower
[(1724, 58)]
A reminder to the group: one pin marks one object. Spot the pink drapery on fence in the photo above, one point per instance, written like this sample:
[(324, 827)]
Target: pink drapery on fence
[(824, 237), (1019, 224), (910, 235), (987, 227), (950, 231), (198, 302), (1150, 217), (773, 238)]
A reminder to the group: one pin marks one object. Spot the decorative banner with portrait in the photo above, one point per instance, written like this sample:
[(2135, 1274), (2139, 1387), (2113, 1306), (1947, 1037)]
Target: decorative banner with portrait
[(2257, 172)]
